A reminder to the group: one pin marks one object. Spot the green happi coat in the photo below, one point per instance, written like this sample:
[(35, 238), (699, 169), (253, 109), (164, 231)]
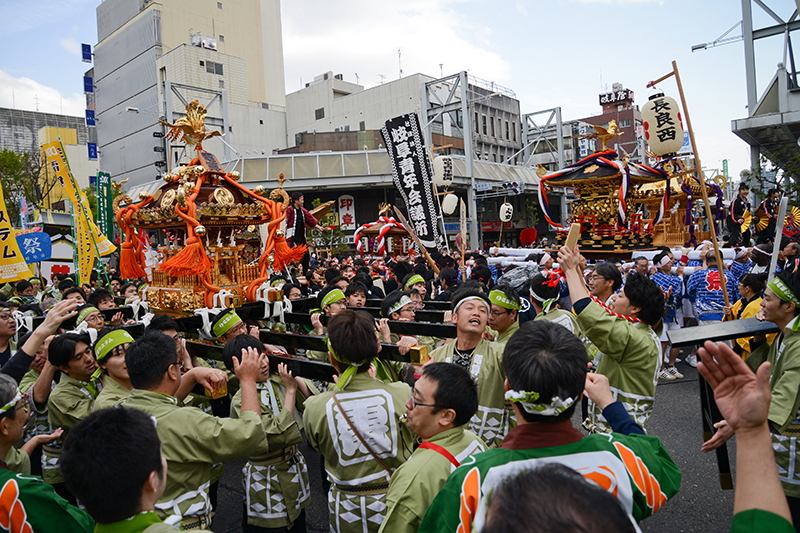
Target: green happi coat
[(415, 484), (784, 407), (113, 392), (275, 481), (569, 321), (503, 337), (375, 409), (191, 442), (39, 506), (494, 418), (41, 424), (69, 403), (147, 522), (636, 468), (631, 360)]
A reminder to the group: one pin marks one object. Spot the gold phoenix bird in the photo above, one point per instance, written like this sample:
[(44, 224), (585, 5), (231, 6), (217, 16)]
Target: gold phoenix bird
[(192, 128), (604, 134)]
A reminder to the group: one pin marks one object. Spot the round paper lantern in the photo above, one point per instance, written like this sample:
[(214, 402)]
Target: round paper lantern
[(449, 203), (506, 212), (663, 127), (443, 171)]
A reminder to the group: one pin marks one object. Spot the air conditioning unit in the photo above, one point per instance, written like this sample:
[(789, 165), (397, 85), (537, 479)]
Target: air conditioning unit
[(209, 43), (197, 40)]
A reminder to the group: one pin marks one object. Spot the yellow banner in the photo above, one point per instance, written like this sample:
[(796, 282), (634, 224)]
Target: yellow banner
[(86, 231), (12, 264)]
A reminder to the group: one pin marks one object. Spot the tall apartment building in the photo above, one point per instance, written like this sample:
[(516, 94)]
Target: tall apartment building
[(618, 106), (153, 56), (19, 129)]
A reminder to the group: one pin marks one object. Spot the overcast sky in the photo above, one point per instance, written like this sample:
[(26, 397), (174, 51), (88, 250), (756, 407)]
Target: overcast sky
[(549, 52)]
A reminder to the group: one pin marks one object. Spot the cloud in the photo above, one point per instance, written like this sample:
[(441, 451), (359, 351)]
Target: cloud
[(364, 36), (660, 2), (70, 45), (521, 8), (24, 93)]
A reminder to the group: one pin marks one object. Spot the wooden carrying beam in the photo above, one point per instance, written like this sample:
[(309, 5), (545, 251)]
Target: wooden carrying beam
[(389, 352)]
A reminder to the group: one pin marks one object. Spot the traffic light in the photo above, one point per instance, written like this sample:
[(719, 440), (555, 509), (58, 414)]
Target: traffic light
[(513, 187)]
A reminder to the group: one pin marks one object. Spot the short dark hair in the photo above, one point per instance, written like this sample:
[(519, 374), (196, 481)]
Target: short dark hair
[(754, 281), (770, 192), (337, 279), (162, 323), (287, 288), (65, 284), (645, 294), (661, 255), (363, 278), (352, 336), (110, 488), (73, 290), (62, 349), (455, 389), (125, 287), (743, 186), (449, 276), (482, 273), (98, 296), (554, 498), (148, 358), (233, 348), (608, 271), (22, 285), (546, 358), (331, 273), (296, 196), (641, 258), (466, 293), (474, 285)]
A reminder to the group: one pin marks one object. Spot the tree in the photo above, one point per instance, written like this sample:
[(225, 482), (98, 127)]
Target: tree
[(22, 176), (774, 173), (332, 239)]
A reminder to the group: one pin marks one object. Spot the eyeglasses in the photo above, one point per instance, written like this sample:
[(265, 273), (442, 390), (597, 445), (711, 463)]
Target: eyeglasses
[(416, 404), (498, 314), (6, 317)]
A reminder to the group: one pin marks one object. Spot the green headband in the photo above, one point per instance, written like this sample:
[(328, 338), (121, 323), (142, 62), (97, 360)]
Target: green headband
[(17, 397), (782, 291), (334, 296), (109, 341), (499, 298), (277, 281), (352, 369), (85, 313), (401, 303), (224, 324), (413, 280)]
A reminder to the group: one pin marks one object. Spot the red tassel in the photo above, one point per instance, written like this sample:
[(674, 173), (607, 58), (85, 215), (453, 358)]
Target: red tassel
[(285, 255), (129, 267), (191, 260)]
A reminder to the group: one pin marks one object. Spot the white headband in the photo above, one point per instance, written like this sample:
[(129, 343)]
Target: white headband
[(543, 259), (17, 397), (526, 399), (663, 262), (468, 298)]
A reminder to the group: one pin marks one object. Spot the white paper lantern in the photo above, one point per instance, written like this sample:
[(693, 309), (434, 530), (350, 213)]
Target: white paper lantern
[(449, 204), (506, 212), (443, 171), (663, 127)]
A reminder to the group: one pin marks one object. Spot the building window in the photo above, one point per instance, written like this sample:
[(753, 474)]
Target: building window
[(319, 114), (508, 133), (221, 84), (484, 124), (492, 121), (494, 158), (222, 38), (625, 123), (214, 68), (514, 130), (477, 124), (219, 5), (362, 126)]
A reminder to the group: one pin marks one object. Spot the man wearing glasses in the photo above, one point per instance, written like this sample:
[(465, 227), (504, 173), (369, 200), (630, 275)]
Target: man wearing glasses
[(442, 402), (8, 328), (503, 315)]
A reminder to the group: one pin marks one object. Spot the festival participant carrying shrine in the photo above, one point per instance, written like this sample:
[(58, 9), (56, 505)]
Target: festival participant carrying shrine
[(191, 440), (780, 305), (442, 402), (624, 333), (109, 349), (483, 360), (546, 369), (544, 289), (503, 314), (357, 427), (275, 476)]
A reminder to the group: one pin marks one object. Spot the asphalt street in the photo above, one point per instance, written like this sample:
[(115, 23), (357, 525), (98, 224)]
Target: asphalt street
[(700, 506)]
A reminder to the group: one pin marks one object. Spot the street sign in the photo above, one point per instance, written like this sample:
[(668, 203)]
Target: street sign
[(92, 151), (725, 168), (104, 210), (86, 53), (483, 187), (158, 134)]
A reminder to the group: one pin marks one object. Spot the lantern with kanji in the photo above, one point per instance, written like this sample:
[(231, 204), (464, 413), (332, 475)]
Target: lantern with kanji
[(663, 127), (443, 171), (506, 212)]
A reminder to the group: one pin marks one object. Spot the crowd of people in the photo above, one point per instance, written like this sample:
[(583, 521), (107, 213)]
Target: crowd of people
[(105, 427)]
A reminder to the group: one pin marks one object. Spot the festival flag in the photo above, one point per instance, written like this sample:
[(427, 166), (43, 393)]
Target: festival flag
[(12, 264), (411, 169), (89, 241)]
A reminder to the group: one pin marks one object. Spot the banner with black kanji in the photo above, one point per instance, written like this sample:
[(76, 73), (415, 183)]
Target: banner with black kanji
[(412, 173)]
